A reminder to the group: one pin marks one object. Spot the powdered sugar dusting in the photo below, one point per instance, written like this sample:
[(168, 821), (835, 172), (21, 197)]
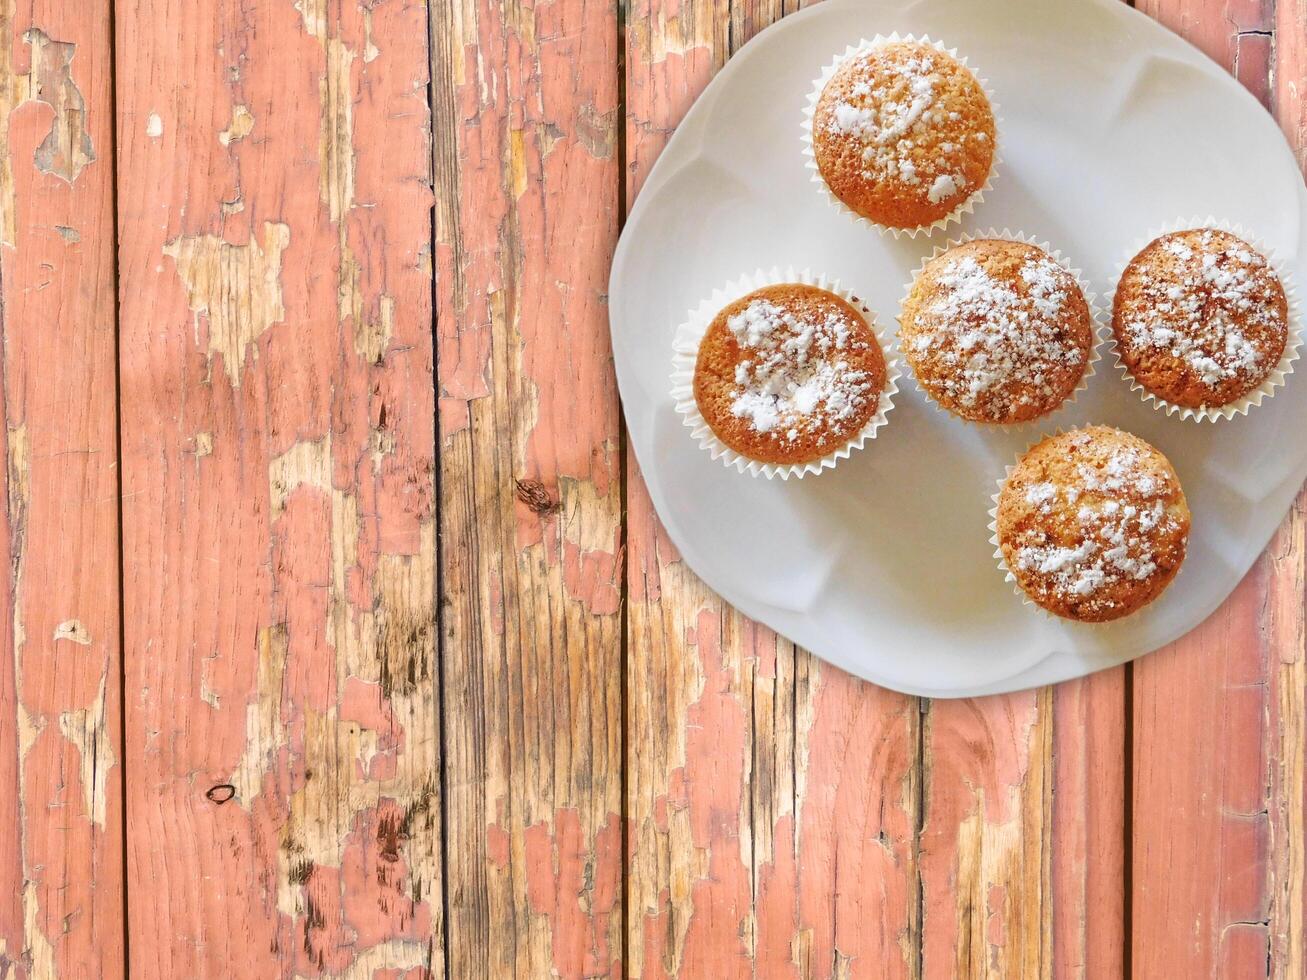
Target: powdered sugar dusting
[(1211, 304), (892, 112), (1119, 514), (1000, 346), (945, 186), (797, 378)]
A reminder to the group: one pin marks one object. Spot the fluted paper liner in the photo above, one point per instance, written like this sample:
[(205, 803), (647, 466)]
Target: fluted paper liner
[(967, 206), (1098, 323), (1008, 576), (1275, 379), (686, 352)]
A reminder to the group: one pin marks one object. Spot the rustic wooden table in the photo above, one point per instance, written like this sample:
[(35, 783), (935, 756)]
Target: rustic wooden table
[(314, 673)]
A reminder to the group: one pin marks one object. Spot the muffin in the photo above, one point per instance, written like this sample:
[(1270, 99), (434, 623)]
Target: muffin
[(996, 331), (903, 133), (788, 374), (1200, 318), (1092, 524)]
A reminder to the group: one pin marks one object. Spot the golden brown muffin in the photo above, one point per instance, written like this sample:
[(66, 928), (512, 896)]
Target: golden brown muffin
[(903, 134), (996, 331), (1093, 523), (1200, 318), (788, 374)]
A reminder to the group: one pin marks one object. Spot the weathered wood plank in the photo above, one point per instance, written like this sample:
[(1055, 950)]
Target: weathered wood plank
[(1290, 74), (283, 732), (772, 798), (1286, 608), (1021, 847), (986, 841), (61, 912), (1218, 718), (1286, 640), (527, 184), (1089, 826), (1201, 831)]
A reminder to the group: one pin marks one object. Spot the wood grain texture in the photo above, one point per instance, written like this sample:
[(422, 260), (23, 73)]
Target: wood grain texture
[(772, 799), (331, 524), (1023, 833), (60, 738), (282, 729), (1286, 642), (1201, 831), (527, 185), (1219, 740), (1290, 74), (1285, 613)]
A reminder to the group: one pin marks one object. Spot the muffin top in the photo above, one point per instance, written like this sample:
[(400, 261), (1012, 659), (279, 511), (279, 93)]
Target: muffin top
[(996, 331), (788, 374), (903, 134), (1200, 317), (1093, 523)]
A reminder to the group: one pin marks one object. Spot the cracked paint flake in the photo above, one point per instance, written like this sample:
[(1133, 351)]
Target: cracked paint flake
[(380, 445), (373, 319), (336, 135), (66, 151), (67, 148), (265, 731), (241, 125), (314, 15), (154, 126), (72, 629), (207, 692), (87, 730), (20, 492), (37, 951), (589, 545), (389, 643), (372, 335), (391, 956), (575, 891), (236, 288), (370, 50)]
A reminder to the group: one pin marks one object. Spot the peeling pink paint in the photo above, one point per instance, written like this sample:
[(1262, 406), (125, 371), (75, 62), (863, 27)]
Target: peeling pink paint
[(594, 578), (671, 86), (777, 906), (710, 788), (379, 904), (497, 846), (363, 704), (649, 548), (856, 841), (576, 890)]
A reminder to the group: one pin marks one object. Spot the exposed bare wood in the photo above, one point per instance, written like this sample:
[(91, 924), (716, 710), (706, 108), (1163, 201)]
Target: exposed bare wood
[(1218, 746), (527, 182), (1285, 615), (280, 538), (772, 799), (60, 734), (323, 514)]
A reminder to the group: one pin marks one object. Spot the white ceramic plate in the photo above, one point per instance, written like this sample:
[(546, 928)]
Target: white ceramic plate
[(1112, 126)]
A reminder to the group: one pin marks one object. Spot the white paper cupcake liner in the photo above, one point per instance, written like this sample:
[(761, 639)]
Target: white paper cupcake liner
[(966, 207), (1099, 324), (1008, 576), (1275, 379), (686, 352)]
